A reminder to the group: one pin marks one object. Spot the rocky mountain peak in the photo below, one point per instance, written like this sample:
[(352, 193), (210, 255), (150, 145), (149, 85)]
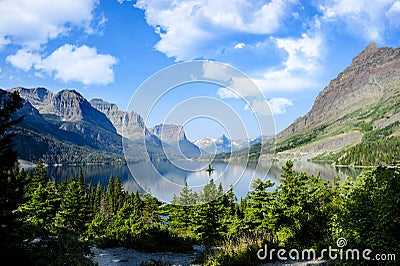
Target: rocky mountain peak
[(104, 106), (67, 105), (373, 77), (225, 140), (169, 132), (130, 125)]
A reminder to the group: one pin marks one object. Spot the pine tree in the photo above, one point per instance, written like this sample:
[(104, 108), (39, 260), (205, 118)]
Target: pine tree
[(118, 193), (181, 211), (258, 214), (39, 177), (9, 104), (111, 195), (41, 209), (11, 187), (150, 210), (82, 182), (91, 197), (73, 209), (210, 193), (207, 217), (97, 198)]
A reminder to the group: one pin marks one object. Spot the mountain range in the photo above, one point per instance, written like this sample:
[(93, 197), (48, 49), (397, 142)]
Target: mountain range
[(356, 110), (358, 107), (64, 127), (224, 144)]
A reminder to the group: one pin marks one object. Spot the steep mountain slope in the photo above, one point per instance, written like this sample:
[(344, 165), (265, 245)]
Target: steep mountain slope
[(175, 137), (132, 127), (37, 138), (75, 119), (362, 101)]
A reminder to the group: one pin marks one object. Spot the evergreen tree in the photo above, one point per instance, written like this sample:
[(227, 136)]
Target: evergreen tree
[(91, 197), (207, 217), (370, 214), (150, 211), (97, 198), (258, 215), (111, 195), (180, 212), (105, 208), (39, 177), (9, 104), (41, 209), (82, 182), (73, 209), (210, 193), (302, 208), (118, 193), (11, 186)]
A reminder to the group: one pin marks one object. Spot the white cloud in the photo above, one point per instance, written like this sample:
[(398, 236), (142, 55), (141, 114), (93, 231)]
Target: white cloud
[(393, 14), (82, 64), (68, 63), (302, 52), (365, 17), (239, 45), (300, 67), (31, 23), (225, 93), (275, 106), (186, 28), (279, 105), (23, 59), (216, 71)]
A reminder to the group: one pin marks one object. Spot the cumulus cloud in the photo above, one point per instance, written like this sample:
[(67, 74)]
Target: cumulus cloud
[(23, 59), (239, 45), (274, 106), (298, 69), (187, 27), (393, 14), (279, 105), (365, 17), (31, 23), (225, 93), (69, 63), (83, 64), (297, 72)]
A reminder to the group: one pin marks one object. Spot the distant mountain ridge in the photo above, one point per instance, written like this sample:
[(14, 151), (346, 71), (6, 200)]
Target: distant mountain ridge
[(362, 100), (175, 137), (64, 127), (223, 144)]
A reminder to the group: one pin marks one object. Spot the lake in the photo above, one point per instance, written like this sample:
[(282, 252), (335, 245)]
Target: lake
[(164, 180)]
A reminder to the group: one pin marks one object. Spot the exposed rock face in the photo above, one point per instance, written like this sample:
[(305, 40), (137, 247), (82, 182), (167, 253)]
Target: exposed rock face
[(372, 78), (67, 105), (64, 128), (175, 137), (169, 133), (130, 125)]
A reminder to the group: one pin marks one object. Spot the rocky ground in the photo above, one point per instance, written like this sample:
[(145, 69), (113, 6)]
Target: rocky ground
[(122, 256)]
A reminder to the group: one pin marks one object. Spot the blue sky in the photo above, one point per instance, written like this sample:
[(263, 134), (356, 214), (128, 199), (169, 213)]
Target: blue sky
[(291, 49)]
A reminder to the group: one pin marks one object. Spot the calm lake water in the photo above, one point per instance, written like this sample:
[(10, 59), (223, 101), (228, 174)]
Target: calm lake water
[(164, 180)]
